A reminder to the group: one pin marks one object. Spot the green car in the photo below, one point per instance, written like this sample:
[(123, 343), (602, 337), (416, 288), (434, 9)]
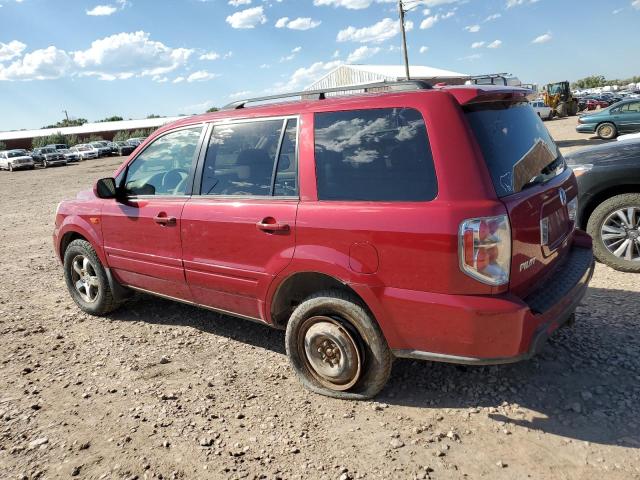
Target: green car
[(619, 118)]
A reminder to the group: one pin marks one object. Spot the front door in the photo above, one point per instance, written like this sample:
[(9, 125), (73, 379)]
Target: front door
[(142, 232), (628, 118), (240, 232)]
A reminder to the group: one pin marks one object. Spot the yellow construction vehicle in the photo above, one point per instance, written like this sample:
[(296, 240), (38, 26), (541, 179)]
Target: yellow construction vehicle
[(558, 96)]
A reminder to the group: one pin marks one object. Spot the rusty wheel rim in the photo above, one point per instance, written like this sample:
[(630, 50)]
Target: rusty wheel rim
[(330, 352)]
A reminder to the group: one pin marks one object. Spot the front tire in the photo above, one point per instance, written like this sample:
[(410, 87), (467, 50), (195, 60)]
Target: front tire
[(606, 131), (11, 167), (615, 228), (336, 348), (86, 279)]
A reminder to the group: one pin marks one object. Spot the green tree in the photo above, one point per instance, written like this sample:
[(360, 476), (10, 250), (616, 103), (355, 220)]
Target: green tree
[(153, 115), (121, 136), (3, 146), (68, 123), (115, 118), (212, 109)]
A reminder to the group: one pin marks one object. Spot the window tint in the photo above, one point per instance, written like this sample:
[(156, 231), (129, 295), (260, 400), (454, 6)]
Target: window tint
[(516, 145), (241, 159), (374, 155), (633, 107), (163, 167)]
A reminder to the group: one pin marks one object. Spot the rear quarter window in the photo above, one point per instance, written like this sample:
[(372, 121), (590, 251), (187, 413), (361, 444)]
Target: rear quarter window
[(374, 155)]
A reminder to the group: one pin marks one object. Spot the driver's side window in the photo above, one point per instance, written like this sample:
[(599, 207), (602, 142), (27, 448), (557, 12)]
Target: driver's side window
[(163, 167)]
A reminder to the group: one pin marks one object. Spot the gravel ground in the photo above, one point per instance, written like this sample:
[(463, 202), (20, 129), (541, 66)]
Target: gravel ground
[(164, 390)]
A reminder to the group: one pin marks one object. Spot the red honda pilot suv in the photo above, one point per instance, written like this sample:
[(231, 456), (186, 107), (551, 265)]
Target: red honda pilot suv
[(402, 221)]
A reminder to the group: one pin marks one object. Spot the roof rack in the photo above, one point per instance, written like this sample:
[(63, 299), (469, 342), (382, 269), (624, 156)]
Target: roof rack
[(403, 85)]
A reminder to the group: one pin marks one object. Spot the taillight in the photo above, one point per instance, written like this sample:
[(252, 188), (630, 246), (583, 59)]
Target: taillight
[(572, 209), (485, 249)]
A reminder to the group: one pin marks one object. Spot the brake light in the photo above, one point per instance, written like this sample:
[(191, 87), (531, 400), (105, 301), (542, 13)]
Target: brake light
[(485, 249)]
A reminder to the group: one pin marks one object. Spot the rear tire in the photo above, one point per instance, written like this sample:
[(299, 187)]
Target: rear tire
[(605, 216), (11, 167), (336, 347), (86, 279), (606, 131)]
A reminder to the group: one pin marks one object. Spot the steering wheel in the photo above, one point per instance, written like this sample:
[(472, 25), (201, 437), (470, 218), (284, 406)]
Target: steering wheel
[(172, 179)]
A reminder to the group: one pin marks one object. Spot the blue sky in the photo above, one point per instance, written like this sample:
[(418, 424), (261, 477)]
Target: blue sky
[(136, 57)]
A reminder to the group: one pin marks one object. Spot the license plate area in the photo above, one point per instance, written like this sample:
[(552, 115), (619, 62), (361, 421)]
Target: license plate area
[(555, 227)]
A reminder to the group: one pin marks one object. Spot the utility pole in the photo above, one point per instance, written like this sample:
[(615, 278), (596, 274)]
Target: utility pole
[(401, 11), (66, 114)]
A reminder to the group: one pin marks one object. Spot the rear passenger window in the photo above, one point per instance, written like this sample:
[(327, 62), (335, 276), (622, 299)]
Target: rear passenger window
[(252, 159), (374, 155)]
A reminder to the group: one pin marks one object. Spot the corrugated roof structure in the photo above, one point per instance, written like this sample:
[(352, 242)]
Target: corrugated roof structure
[(349, 75)]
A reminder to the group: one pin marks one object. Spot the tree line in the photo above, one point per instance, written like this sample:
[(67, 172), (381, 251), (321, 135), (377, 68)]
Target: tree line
[(72, 140), (595, 81)]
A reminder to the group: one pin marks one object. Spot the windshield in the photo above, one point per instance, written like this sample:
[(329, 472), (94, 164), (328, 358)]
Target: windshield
[(14, 154), (516, 145)]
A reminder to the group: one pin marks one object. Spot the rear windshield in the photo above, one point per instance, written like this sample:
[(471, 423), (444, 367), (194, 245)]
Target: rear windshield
[(516, 145)]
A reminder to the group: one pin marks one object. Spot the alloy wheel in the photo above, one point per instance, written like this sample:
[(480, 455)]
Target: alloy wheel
[(84, 278), (620, 233)]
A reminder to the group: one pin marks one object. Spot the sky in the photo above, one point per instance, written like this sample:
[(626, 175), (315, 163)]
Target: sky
[(132, 58)]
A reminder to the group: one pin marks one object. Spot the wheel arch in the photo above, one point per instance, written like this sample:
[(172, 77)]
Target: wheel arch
[(78, 228), (602, 196)]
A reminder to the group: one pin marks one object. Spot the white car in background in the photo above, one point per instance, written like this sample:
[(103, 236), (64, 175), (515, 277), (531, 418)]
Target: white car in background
[(85, 151), (543, 111), (15, 160), (629, 136)]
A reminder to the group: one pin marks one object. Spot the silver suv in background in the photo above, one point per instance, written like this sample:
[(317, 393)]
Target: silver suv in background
[(15, 160)]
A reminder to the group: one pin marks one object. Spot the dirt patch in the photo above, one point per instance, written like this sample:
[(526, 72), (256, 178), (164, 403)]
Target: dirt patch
[(163, 390)]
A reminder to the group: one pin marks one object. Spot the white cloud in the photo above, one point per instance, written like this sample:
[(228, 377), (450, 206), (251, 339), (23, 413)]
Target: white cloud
[(43, 64), (513, 3), (240, 94), (102, 10), (475, 56), (361, 53), (477, 45), (377, 33), (429, 22), (495, 16), (248, 18), (544, 38), (292, 55), (636, 4), (424, 49), (201, 76), (126, 54), (350, 4), (178, 80), (11, 50), (299, 23), (305, 23), (495, 44), (237, 3), (296, 50), (215, 55), (282, 22), (472, 28)]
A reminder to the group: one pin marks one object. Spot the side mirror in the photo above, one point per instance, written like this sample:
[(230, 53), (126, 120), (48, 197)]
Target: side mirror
[(106, 188)]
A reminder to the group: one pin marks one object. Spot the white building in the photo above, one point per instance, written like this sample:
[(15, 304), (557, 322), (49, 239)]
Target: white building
[(350, 75)]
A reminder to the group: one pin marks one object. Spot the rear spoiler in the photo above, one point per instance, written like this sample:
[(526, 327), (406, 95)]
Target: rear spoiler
[(466, 95)]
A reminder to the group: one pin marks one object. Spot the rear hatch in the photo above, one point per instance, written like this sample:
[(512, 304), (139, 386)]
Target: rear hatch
[(532, 180)]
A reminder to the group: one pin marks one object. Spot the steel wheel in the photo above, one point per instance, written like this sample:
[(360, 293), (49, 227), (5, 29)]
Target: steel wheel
[(330, 352), (85, 279), (620, 233)]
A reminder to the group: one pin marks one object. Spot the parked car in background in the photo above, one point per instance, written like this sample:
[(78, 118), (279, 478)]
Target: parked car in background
[(114, 147), (619, 118), (609, 202), (15, 160), (135, 141), (57, 146), (70, 155), (544, 111), (86, 151), (289, 215), (103, 149), (596, 102), (47, 157), (124, 148)]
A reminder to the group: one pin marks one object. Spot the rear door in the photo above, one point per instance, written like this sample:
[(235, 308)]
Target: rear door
[(532, 180), (628, 118), (240, 231), (142, 233)]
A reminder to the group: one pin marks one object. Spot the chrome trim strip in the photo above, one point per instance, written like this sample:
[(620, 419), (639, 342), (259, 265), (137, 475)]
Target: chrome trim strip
[(194, 304), (443, 357)]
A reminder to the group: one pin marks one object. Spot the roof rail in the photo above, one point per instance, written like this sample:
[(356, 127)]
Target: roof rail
[(402, 85)]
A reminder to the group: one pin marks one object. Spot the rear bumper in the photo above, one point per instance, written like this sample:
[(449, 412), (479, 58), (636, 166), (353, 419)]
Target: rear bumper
[(488, 330), (586, 128)]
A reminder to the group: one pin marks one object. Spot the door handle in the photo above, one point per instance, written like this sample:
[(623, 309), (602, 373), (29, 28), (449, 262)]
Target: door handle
[(269, 224), (165, 221)]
